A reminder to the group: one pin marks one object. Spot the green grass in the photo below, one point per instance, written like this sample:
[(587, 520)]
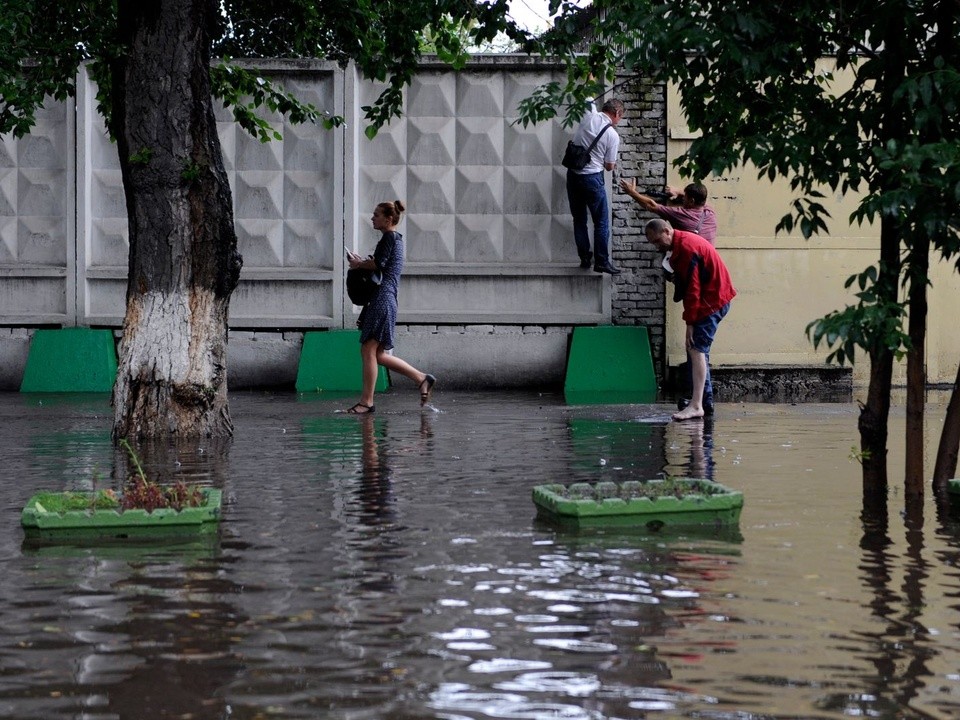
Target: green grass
[(65, 501)]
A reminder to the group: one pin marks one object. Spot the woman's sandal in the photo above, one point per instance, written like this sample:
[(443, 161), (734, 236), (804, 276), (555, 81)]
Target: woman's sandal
[(367, 409), (428, 381)]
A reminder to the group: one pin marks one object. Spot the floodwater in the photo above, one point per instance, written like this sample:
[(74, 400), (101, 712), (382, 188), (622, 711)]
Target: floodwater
[(392, 567)]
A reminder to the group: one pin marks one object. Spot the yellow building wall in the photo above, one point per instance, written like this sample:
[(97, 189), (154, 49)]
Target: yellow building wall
[(784, 281)]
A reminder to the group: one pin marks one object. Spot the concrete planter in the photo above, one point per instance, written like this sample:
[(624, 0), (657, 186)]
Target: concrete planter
[(71, 516), (655, 505)]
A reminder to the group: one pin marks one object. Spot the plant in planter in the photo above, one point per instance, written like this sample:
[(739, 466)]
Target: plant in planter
[(145, 509), (143, 494), (654, 504)]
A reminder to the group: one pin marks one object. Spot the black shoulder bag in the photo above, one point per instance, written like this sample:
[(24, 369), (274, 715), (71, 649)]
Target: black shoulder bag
[(363, 285), (577, 156)]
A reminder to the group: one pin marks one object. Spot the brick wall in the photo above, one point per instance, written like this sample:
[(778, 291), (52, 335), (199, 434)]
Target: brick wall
[(638, 297)]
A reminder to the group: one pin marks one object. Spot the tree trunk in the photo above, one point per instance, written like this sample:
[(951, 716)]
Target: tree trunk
[(916, 366), (184, 263), (946, 464), (874, 414)]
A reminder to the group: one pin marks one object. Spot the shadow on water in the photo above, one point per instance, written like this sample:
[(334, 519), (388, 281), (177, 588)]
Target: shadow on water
[(391, 566)]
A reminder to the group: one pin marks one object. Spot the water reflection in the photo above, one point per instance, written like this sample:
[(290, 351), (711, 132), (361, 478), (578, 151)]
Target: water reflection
[(614, 448), (690, 446), (900, 645), (115, 629), (390, 566)]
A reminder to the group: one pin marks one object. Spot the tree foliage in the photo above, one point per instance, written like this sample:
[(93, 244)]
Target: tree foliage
[(42, 42)]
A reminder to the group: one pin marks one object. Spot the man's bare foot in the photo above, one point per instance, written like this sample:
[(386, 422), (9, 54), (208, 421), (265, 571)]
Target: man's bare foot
[(689, 413)]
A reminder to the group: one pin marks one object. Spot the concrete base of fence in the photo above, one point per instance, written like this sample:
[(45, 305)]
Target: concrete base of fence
[(70, 360), (473, 357), (480, 357), (263, 359), (14, 349)]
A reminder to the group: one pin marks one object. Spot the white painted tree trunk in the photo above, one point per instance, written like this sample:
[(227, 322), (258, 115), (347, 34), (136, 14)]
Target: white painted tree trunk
[(184, 264)]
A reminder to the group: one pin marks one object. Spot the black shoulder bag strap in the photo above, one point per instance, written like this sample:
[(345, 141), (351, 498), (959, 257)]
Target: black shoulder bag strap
[(596, 138), (703, 213)]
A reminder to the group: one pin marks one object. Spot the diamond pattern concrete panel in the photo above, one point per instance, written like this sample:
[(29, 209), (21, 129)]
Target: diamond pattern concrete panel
[(480, 190), (380, 183), (8, 239), (41, 242), (8, 152), (8, 192), (480, 238), (431, 238), (112, 234), (258, 194), (530, 146), (256, 156), (526, 239), (431, 95), (479, 94), (40, 192), (308, 243), (430, 189), (389, 147), (430, 141), (304, 198), (36, 211), (260, 242), (503, 208), (480, 141), (107, 196), (526, 190), (44, 148)]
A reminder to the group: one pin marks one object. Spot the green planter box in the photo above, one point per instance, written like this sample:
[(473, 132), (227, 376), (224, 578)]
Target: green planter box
[(953, 492), (654, 505), (54, 517)]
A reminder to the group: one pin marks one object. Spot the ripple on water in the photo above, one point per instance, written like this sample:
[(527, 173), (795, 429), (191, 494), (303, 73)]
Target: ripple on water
[(463, 634), (498, 665), (459, 698), (567, 683), (574, 645)]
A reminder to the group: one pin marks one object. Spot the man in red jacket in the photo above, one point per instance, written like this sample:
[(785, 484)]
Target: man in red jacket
[(704, 285)]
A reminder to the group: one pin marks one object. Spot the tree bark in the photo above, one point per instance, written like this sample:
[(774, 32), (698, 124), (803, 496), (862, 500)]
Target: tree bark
[(916, 366), (874, 414), (946, 465), (184, 263)]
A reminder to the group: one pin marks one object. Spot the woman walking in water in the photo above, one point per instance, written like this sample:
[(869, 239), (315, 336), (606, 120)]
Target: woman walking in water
[(379, 317)]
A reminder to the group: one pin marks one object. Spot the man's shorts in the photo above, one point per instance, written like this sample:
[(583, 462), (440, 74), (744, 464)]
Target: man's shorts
[(704, 330)]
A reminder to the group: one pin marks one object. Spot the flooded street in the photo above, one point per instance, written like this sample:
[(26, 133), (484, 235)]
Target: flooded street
[(392, 566)]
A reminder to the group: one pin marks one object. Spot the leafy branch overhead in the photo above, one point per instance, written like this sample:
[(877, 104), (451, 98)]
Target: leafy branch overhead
[(42, 42), (246, 92)]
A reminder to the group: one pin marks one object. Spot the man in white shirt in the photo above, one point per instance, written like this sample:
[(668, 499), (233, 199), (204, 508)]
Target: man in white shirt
[(586, 190)]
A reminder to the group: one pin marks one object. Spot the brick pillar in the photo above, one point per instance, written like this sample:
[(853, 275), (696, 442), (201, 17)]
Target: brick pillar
[(638, 293)]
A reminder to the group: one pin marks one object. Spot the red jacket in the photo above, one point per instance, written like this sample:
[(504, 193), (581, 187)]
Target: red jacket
[(700, 275)]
